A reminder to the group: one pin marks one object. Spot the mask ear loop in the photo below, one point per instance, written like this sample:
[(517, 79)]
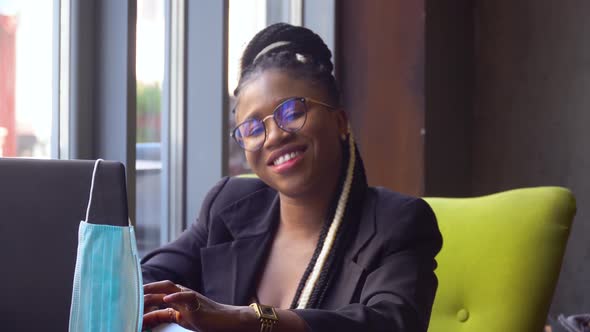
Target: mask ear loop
[(92, 188)]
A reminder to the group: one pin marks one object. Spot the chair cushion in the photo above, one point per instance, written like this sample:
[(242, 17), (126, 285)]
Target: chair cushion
[(500, 259)]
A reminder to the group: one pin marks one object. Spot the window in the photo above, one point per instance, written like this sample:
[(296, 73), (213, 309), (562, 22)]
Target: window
[(63, 93), (246, 18), (150, 65), (26, 78)]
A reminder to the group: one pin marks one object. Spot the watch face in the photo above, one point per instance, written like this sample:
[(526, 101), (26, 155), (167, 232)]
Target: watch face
[(267, 311)]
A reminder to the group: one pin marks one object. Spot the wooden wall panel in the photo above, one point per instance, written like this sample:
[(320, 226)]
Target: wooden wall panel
[(380, 45)]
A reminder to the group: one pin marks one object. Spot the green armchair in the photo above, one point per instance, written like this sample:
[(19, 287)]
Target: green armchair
[(500, 259)]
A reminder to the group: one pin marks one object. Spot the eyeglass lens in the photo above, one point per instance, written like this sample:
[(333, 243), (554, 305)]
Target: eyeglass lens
[(289, 116)]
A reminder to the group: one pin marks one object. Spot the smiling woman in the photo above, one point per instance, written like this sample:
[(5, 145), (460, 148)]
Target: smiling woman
[(316, 137), (308, 244)]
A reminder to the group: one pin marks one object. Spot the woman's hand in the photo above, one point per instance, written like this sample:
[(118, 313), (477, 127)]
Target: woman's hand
[(166, 302)]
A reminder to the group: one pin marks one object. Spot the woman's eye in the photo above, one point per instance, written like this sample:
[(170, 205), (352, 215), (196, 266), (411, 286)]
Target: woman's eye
[(252, 129), (292, 114), (257, 130)]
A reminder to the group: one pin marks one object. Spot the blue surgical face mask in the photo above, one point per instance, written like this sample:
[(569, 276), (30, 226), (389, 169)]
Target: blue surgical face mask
[(107, 292)]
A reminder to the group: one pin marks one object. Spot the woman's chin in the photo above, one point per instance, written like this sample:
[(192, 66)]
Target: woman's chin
[(293, 186)]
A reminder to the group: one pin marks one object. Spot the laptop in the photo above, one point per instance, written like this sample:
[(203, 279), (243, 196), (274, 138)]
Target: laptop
[(41, 205)]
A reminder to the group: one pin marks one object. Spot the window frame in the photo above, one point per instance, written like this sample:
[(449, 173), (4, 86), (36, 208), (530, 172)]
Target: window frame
[(96, 74)]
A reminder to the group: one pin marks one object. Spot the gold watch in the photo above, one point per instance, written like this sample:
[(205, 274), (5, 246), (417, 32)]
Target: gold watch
[(267, 316)]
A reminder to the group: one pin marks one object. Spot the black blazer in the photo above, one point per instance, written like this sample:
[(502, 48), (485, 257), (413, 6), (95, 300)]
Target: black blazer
[(386, 282)]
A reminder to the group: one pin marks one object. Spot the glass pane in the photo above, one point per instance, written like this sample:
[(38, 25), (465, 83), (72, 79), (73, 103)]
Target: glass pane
[(150, 64), (246, 18), (26, 79)]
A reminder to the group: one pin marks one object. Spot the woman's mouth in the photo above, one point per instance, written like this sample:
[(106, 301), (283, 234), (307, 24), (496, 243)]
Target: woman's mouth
[(287, 161), (286, 157)]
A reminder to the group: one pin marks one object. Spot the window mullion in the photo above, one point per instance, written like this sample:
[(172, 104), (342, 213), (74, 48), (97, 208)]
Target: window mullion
[(175, 199), (60, 146), (207, 99)]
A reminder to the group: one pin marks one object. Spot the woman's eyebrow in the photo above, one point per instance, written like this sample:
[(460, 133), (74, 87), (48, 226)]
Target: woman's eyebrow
[(257, 113), (250, 115)]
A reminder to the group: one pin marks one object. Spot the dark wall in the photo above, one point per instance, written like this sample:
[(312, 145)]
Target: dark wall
[(507, 103), (380, 46), (450, 89), (532, 112)]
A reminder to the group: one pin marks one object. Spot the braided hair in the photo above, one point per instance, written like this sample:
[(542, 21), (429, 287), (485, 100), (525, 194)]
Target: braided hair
[(337, 232), (297, 50), (303, 55)]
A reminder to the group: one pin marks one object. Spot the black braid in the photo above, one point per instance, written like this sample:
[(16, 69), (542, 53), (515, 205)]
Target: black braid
[(343, 237), (348, 229), (306, 56), (310, 266), (318, 247)]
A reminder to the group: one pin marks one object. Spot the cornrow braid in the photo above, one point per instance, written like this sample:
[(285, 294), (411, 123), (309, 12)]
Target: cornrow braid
[(299, 39), (297, 50)]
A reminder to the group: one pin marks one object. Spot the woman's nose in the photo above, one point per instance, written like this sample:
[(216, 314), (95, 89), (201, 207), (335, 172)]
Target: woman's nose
[(274, 134)]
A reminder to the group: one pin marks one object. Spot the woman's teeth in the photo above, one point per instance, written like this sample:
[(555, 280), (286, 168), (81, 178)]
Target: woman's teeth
[(286, 157)]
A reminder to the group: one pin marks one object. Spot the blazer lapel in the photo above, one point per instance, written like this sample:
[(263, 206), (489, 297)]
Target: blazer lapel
[(230, 270), (367, 225)]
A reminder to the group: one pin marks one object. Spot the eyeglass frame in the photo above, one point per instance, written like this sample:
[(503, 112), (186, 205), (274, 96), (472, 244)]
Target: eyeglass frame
[(304, 100)]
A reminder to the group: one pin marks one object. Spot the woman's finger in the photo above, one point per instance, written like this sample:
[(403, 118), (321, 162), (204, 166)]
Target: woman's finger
[(184, 301), (150, 309), (164, 316), (188, 306), (161, 287), (153, 302)]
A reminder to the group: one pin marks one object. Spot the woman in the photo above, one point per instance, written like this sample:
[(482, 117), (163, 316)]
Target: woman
[(309, 244)]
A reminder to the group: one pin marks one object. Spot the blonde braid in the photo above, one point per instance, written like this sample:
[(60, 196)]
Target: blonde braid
[(311, 281)]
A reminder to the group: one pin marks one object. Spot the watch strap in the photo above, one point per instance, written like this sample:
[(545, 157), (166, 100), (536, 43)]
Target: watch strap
[(266, 315)]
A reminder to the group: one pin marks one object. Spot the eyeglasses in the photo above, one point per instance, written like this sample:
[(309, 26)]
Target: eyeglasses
[(290, 116)]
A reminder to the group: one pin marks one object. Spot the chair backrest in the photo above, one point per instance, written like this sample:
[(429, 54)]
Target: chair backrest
[(41, 205), (500, 259)]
